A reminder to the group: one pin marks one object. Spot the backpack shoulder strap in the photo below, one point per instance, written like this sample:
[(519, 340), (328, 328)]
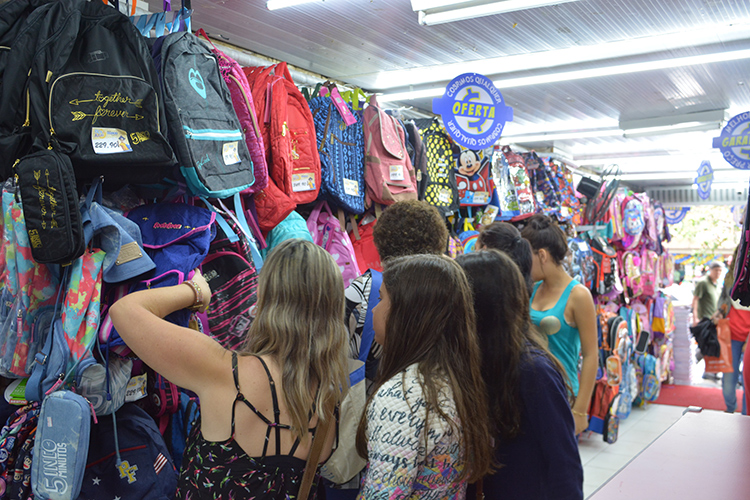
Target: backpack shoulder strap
[(368, 332)]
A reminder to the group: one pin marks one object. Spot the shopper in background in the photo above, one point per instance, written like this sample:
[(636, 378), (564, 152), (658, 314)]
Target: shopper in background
[(425, 432), (404, 228), (706, 293), (739, 326), (534, 430), (563, 309), (506, 238), (259, 407)]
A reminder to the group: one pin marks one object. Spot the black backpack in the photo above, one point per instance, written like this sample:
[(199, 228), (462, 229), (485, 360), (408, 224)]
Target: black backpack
[(90, 91), (205, 131)]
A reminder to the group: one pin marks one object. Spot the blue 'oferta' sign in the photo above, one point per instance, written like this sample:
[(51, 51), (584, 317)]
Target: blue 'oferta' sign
[(734, 142), (704, 179), (675, 215), (473, 111)]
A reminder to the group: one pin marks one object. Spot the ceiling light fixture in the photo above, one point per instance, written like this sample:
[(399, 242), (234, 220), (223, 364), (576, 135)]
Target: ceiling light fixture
[(444, 11), (280, 4), (567, 76)]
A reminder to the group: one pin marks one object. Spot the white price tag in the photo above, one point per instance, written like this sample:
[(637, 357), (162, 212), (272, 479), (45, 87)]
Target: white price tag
[(230, 151), (481, 197), (107, 141), (444, 195), (397, 172), (351, 187), (583, 246), (136, 388), (303, 182)]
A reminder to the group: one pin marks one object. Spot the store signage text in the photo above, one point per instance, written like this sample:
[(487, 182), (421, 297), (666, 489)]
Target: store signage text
[(473, 111), (734, 142)]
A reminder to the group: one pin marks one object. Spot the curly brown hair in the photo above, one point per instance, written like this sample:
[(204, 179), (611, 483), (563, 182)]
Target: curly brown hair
[(410, 227)]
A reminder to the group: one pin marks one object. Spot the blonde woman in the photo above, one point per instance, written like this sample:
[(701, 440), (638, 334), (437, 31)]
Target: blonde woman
[(260, 406)]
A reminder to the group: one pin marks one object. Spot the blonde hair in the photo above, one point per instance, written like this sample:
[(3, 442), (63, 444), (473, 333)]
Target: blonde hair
[(300, 323)]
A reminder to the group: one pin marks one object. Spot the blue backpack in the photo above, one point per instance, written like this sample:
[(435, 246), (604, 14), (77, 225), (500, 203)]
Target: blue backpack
[(294, 226), (341, 149), (128, 459)]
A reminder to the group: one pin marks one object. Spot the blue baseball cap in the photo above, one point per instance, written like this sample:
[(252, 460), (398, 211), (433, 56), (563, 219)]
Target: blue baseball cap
[(120, 238)]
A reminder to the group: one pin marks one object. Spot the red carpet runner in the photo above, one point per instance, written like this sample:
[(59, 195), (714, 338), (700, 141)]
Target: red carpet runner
[(708, 398)]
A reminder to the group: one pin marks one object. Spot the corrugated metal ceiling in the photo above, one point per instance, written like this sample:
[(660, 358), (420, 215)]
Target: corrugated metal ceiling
[(360, 41)]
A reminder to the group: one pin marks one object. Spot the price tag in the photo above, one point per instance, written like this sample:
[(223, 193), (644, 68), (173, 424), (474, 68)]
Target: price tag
[(230, 151), (583, 246), (444, 196), (303, 182), (107, 141), (136, 388), (351, 187), (15, 393), (397, 172), (481, 197), (490, 213)]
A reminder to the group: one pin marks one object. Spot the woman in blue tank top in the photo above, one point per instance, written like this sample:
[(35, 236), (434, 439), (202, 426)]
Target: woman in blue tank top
[(563, 309)]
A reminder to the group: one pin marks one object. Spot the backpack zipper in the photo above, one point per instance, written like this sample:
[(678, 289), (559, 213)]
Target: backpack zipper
[(247, 103), (212, 134), (52, 89)]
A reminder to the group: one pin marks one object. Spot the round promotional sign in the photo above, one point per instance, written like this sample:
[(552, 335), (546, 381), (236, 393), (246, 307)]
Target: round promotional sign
[(473, 111), (704, 179), (675, 215), (734, 142)]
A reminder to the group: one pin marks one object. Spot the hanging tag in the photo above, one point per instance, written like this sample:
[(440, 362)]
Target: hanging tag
[(230, 152), (323, 92), (338, 101), (351, 187), (110, 141), (397, 172), (303, 182)]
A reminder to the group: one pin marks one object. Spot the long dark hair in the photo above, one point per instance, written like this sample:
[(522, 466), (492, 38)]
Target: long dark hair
[(506, 238), (506, 334), (431, 322)]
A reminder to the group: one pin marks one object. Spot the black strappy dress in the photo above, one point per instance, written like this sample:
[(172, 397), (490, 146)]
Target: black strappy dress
[(223, 471)]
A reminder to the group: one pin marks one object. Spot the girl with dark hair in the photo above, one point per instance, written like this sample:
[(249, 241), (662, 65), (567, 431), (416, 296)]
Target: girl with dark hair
[(563, 309), (530, 415), (425, 431), (506, 238)]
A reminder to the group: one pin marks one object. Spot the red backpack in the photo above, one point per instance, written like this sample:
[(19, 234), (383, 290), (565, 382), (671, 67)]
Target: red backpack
[(389, 174), (288, 131)]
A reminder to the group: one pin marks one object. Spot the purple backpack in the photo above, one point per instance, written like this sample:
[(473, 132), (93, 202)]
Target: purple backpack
[(326, 232), (242, 100)]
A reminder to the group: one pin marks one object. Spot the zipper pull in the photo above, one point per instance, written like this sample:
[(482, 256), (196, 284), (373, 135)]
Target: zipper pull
[(19, 322), (93, 413)]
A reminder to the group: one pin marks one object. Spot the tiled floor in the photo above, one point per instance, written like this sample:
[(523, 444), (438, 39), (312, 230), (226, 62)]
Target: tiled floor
[(601, 460)]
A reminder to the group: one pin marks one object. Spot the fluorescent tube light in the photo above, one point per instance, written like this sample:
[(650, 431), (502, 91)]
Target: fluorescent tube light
[(567, 76), (280, 4), (699, 36), (678, 128), (440, 12)]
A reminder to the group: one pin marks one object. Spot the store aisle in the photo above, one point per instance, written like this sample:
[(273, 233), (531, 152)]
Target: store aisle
[(602, 461)]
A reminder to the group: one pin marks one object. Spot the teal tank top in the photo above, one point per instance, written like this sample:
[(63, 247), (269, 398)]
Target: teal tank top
[(564, 340)]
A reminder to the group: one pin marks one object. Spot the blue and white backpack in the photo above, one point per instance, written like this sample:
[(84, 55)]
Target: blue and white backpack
[(342, 161)]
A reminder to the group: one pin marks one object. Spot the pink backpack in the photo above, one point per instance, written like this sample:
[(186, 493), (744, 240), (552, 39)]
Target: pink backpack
[(389, 174), (326, 232), (649, 272), (242, 100)]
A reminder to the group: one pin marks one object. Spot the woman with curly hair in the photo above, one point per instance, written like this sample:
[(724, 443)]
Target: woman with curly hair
[(563, 310), (533, 426), (425, 431)]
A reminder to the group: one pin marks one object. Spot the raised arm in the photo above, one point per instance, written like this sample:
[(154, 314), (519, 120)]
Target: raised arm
[(184, 356)]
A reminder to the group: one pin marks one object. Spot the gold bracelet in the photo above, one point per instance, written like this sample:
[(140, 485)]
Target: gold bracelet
[(198, 304), (580, 414)]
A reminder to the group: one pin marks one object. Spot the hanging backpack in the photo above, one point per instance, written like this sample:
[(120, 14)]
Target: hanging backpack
[(441, 190), (651, 385), (633, 222), (630, 266), (341, 150), (288, 132), (16, 446), (521, 183), (649, 272), (205, 131), (389, 174), (582, 268), (128, 459), (570, 206), (473, 177), (542, 183), (327, 233), (505, 192), (294, 226), (91, 93), (420, 157), (363, 243), (242, 100)]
